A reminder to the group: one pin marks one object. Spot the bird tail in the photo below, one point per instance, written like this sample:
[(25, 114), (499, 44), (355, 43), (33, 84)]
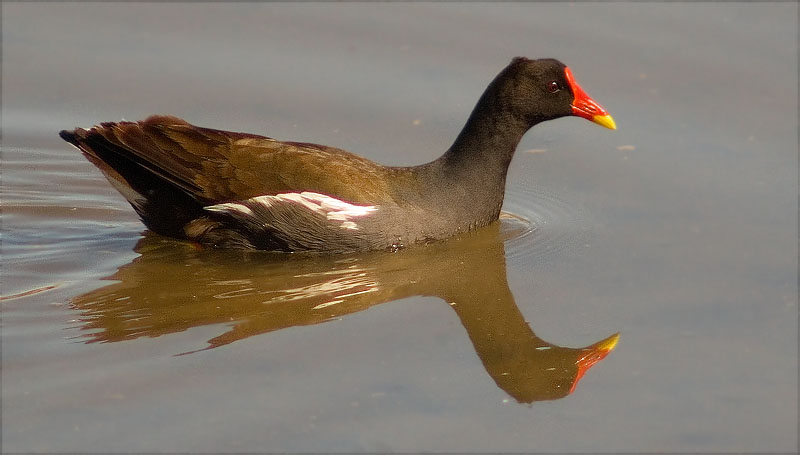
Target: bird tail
[(163, 206)]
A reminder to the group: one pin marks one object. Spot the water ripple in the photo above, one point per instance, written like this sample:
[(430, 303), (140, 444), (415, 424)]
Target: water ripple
[(537, 225)]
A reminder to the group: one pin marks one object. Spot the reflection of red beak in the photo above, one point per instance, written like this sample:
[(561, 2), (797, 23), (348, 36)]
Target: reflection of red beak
[(584, 106), (594, 353)]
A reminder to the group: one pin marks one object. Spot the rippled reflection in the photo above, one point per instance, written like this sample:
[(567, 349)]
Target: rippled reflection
[(174, 286)]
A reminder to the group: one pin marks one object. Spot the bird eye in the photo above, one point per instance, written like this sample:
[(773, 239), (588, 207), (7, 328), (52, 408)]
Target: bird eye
[(553, 87)]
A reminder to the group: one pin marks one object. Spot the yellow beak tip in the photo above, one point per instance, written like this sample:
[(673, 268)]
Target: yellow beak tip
[(609, 343), (605, 120)]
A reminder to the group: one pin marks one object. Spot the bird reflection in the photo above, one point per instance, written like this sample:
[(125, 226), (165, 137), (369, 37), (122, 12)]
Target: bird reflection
[(174, 286)]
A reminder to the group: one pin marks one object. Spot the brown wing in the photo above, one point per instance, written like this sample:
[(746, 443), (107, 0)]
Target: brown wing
[(213, 165)]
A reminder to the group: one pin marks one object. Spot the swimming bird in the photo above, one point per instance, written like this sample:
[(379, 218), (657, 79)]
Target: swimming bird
[(238, 190)]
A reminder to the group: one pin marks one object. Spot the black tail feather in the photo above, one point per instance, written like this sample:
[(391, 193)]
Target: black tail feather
[(163, 207)]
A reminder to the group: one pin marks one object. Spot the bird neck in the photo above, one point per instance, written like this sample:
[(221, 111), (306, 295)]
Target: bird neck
[(465, 187), (486, 143), (477, 162), (488, 140)]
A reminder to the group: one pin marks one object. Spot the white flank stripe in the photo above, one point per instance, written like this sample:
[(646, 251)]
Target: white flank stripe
[(266, 201), (231, 207), (333, 209)]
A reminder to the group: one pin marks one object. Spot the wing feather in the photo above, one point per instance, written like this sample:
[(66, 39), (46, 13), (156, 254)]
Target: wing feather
[(213, 165)]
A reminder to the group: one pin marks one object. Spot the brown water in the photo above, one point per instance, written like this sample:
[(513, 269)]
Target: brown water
[(679, 231)]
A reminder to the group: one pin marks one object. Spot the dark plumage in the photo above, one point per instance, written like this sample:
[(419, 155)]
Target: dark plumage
[(238, 190)]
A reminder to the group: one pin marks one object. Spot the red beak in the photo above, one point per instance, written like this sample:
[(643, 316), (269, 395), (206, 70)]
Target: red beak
[(594, 354), (584, 106)]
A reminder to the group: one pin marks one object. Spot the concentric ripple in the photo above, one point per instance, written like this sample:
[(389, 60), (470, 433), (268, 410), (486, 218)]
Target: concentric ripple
[(537, 224)]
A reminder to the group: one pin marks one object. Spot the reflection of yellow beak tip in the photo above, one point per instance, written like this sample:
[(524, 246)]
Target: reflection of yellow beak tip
[(608, 344), (605, 120)]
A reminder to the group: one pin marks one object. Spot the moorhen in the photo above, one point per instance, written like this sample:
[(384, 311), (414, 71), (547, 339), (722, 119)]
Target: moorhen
[(238, 190)]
